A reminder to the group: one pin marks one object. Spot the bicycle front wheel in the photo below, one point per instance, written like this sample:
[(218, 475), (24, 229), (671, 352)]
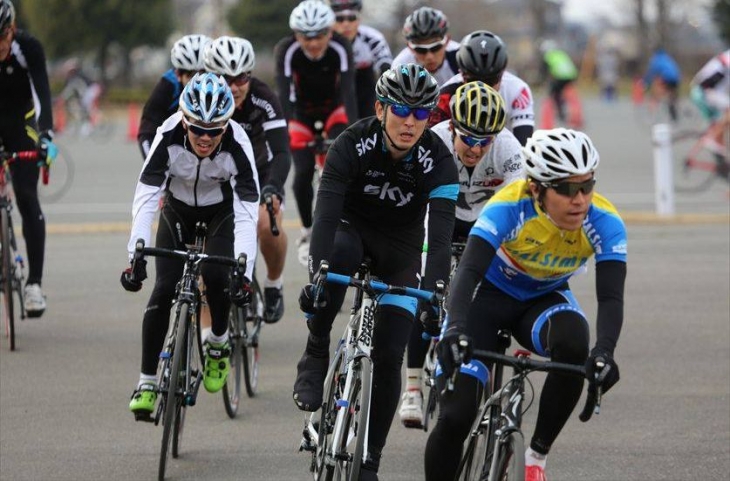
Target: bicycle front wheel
[(7, 278), (322, 465), (510, 461), (173, 401), (232, 387), (251, 337), (694, 165), (60, 177)]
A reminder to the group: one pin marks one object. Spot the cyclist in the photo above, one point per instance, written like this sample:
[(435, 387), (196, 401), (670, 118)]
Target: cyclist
[(26, 123), (662, 77), (315, 78), (187, 60), (426, 31), (562, 72), (528, 241), (710, 91), (260, 114), (370, 50), (204, 164), (380, 176), (482, 55), (488, 157), (83, 91)]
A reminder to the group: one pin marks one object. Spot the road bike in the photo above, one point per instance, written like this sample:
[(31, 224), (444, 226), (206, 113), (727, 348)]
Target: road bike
[(72, 119), (495, 447), (12, 277), (180, 369), (244, 329), (337, 434), (699, 160), (430, 390)]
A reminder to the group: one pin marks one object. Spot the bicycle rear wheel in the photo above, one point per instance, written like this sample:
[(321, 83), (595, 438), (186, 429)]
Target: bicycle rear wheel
[(694, 165), (7, 278), (510, 465), (232, 387), (250, 347), (173, 401)]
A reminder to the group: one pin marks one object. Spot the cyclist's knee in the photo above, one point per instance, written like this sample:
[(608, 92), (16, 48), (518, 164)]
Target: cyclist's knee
[(568, 337)]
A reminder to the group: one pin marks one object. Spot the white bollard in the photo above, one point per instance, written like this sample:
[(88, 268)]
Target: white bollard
[(663, 170)]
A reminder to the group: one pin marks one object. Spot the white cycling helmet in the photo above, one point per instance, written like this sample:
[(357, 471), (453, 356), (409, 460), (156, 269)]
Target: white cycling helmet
[(207, 98), (230, 56), (187, 53), (311, 17), (558, 154)]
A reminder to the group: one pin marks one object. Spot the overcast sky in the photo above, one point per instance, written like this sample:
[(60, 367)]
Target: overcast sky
[(582, 10)]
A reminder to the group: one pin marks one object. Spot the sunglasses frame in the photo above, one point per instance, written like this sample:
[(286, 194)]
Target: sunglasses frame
[(429, 47), (471, 141), (200, 131), (418, 112), (571, 189), (350, 17), (239, 80)]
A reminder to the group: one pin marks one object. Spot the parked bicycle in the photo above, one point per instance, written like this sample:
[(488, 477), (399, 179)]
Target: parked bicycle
[(12, 276), (699, 160), (495, 447), (244, 329), (337, 434), (180, 370)]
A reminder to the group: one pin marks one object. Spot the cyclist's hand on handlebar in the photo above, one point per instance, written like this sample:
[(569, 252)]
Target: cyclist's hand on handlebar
[(47, 150), (307, 301), (453, 349), (428, 315), (133, 275), (240, 291), (271, 190), (606, 376)]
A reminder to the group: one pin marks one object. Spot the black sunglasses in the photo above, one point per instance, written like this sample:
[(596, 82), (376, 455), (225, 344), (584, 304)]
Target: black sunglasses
[(571, 189), (346, 18), (239, 80), (200, 131)]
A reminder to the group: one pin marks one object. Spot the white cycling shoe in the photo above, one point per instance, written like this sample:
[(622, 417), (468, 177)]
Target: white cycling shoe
[(411, 409)]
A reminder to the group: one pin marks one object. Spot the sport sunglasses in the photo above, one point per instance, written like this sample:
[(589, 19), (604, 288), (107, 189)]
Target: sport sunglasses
[(200, 131), (403, 111), (571, 189), (475, 141), (429, 47), (239, 80), (346, 18)]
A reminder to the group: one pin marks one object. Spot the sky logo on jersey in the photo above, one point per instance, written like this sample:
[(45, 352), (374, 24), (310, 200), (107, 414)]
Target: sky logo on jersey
[(366, 144), (425, 160), (393, 193), (522, 101)]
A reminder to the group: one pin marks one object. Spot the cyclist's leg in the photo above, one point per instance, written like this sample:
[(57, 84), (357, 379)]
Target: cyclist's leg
[(672, 92), (490, 311), (556, 92), (336, 123), (554, 326), (303, 158)]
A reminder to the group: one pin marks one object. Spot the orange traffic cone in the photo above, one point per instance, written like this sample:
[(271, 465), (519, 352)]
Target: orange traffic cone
[(637, 92), (547, 114), (132, 121), (59, 117)]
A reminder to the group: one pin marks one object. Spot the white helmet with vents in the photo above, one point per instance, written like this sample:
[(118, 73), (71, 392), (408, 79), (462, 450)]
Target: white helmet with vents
[(187, 53), (558, 154), (311, 17), (230, 56)]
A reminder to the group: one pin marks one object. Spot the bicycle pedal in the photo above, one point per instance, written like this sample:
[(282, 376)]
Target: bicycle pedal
[(144, 416)]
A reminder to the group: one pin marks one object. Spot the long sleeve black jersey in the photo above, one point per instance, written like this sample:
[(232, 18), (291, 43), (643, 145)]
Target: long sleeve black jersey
[(24, 83), (162, 102), (314, 88), (363, 185), (262, 117)]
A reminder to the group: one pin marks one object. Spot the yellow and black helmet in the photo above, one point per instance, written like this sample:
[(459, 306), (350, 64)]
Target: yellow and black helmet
[(477, 110)]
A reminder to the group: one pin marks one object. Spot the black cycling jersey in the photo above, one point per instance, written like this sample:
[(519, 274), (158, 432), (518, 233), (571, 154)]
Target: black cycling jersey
[(162, 103), (24, 81), (314, 88), (364, 186), (372, 57), (262, 117)]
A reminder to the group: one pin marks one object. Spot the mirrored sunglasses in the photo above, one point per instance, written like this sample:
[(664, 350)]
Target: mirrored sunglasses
[(352, 17), (403, 111), (475, 141), (239, 80), (429, 47), (571, 189), (200, 131)]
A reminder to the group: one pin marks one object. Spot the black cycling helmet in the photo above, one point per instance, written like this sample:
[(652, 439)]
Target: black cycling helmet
[(341, 5), (482, 56), (7, 14), (408, 84), (426, 22)]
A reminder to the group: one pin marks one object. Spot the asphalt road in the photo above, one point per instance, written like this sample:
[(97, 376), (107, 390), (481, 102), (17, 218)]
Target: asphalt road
[(64, 392)]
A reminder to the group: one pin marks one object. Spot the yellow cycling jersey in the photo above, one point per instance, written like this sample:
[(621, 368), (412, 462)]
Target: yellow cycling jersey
[(534, 256)]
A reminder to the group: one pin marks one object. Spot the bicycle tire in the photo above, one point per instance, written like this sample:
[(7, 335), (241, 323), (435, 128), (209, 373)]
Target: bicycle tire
[(7, 278), (61, 178), (328, 414), (688, 179), (474, 459), (193, 353), (251, 345), (173, 402), (232, 387), (359, 417), (510, 458)]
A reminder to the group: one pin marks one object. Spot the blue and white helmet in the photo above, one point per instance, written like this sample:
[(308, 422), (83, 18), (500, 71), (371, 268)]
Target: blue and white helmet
[(207, 98)]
